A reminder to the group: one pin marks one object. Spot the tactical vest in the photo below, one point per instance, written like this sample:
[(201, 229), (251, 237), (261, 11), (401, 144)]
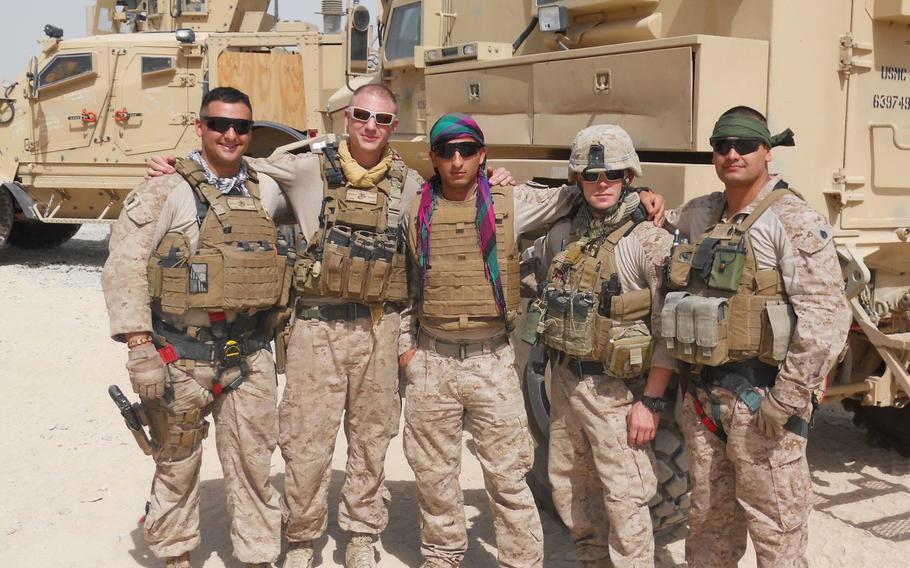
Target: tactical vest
[(457, 287), (237, 265), (724, 308), (357, 253), (584, 313)]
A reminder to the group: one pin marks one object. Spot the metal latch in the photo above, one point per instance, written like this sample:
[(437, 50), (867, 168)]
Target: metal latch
[(842, 191), (854, 56)]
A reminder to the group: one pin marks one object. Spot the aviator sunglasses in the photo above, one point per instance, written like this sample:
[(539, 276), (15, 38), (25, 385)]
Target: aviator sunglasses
[(611, 175), (221, 124), (364, 115), (742, 146), (466, 149)]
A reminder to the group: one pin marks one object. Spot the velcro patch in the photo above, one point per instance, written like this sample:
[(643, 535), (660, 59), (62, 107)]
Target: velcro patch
[(241, 203), (362, 196)]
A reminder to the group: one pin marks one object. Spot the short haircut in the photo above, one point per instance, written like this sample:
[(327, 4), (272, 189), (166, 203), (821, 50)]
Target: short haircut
[(746, 112), (376, 89), (225, 95)]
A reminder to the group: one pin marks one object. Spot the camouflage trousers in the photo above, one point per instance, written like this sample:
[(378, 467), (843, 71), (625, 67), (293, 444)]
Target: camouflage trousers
[(339, 370), (482, 394), (751, 484), (246, 432), (601, 485)]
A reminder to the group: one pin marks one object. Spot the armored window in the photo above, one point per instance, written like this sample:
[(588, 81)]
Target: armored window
[(153, 8), (194, 7), (64, 67), (152, 65), (404, 32)]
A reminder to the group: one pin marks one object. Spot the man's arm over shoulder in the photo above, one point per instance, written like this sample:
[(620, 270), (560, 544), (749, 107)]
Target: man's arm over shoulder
[(292, 172), (148, 213), (814, 283), (695, 215), (537, 205)]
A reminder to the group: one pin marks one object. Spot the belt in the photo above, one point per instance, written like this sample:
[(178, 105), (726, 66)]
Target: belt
[(580, 368), (349, 311), (458, 350), (174, 345)]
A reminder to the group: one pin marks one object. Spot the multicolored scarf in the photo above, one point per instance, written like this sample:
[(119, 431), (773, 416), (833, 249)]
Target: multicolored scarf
[(227, 184), (451, 127)]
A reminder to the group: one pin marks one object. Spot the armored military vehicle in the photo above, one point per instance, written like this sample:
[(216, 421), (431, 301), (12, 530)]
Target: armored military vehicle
[(534, 72), (77, 128)]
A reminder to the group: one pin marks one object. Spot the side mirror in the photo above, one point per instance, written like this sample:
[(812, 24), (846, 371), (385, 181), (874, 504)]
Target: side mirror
[(358, 40)]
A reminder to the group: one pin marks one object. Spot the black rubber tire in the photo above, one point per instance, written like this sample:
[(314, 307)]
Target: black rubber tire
[(886, 427), (670, 504), (38, 235), (7, 214)]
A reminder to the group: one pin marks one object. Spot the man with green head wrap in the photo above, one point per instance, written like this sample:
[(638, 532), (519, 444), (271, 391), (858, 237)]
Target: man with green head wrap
[(755, 313)]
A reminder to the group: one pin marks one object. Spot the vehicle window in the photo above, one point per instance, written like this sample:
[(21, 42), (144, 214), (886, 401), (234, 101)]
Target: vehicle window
[(65, 67), (194, 6), (404, 32), (153, 7), (156, 64)]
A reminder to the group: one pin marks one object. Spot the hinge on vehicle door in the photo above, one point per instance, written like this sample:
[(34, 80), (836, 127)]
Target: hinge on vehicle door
[(854, 56), (842, 190)]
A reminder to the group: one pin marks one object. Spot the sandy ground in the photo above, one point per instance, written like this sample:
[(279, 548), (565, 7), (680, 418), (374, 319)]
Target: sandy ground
[(73, 483)]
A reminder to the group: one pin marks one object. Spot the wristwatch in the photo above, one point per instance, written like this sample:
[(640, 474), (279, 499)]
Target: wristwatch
[(654, 404)]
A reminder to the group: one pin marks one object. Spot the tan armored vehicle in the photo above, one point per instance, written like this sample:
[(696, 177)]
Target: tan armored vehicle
[(78, 127), (534, 72)]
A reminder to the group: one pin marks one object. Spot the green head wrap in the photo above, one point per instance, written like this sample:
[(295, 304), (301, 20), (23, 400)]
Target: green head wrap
[(738, 126)]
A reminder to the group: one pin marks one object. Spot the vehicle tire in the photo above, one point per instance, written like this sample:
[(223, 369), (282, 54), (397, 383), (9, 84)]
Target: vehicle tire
[(7, 213), (886, 427), (38, 235), (669, 506)]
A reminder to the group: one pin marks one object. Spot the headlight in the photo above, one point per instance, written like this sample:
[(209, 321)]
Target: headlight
[(553, 18)]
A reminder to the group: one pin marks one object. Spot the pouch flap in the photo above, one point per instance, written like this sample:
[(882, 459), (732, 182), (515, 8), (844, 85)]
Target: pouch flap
[(631, 306)]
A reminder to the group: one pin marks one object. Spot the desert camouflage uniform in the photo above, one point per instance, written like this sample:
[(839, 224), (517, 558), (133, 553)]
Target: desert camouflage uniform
[(246, 419), (601, 485), (754, 484), (483, 393), (335, 369)]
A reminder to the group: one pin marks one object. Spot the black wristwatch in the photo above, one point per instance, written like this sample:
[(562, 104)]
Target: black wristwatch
[(654, 404)]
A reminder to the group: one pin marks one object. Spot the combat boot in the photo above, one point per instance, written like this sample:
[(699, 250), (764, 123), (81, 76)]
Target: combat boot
[(359, 553), (182, 561), (299, 556)]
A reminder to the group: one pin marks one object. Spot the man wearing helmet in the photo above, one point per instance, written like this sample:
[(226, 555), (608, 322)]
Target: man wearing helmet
[(599, 275)]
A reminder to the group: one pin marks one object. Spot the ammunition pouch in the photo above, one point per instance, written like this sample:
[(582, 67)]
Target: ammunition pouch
[(571, 324), (356, 265), (176, 434)]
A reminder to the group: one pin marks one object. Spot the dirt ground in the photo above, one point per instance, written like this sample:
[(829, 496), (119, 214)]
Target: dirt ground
[(73, 484)]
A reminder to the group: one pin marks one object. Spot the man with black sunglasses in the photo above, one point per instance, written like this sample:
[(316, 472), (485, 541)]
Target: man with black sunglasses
[(599, 272), (755, 313), (195, 270)]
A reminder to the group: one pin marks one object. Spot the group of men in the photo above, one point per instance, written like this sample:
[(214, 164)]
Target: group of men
[(392, 272)]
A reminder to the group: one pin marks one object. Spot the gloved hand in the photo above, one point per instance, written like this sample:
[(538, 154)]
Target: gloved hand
[(147, 371), (771, 417)]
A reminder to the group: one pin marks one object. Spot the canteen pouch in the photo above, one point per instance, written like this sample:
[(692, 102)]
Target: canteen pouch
[(631, 306), (628, 352), (532, 322), (679, 265), (685, 329), (778, 323), (727, 266), (711, 331)]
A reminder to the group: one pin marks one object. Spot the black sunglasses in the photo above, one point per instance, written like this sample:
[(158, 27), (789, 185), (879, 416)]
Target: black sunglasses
[(221, 124), (364, 115), (611, 175), (742, 146), (466, 149)]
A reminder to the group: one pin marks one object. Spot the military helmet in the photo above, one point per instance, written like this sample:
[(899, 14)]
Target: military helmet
[(603, 147)]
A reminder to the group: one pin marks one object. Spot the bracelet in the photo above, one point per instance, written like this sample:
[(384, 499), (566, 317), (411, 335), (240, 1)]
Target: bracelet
[(136, 342)]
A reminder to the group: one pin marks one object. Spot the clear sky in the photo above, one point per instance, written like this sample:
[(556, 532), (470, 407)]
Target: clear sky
[(23, 25)]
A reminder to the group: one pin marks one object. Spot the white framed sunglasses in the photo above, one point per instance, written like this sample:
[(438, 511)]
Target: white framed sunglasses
[(364, 115)]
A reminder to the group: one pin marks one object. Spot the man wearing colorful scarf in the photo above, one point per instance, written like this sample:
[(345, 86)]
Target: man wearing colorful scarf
[(602, 478), (745, 417)]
